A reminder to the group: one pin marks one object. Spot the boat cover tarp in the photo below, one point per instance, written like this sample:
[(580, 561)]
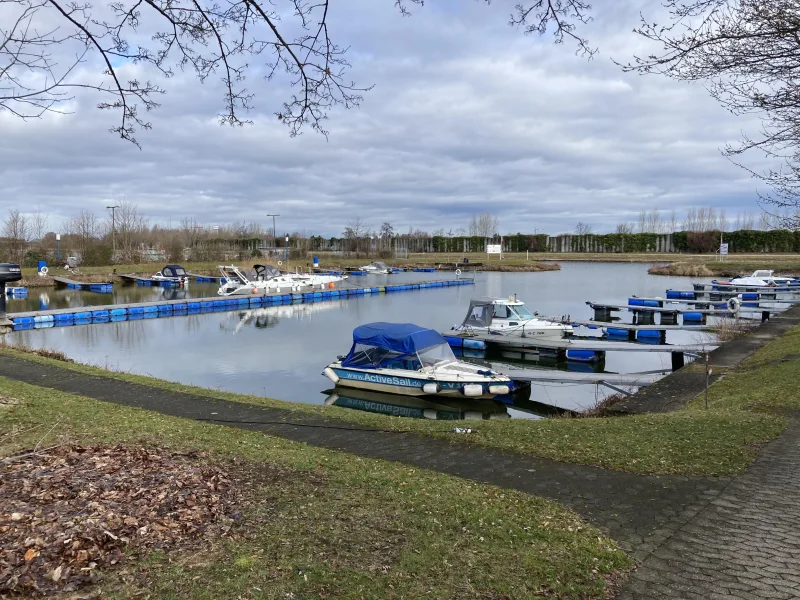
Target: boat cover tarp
[(173, 271), (392, 340)]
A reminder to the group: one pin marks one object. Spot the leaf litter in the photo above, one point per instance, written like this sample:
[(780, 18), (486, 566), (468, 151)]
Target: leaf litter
[(71, 512)]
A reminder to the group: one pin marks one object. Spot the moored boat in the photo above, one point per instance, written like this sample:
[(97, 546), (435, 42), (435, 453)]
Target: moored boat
[(759, 278), (267, 279), (509, 316), (406, 359), (172, 273)]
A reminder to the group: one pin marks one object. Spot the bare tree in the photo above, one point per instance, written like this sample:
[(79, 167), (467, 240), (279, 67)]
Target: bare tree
[(747, 222), (746, 54), (83, 227), (483, 225), (642, 222), (190, 232), (16, 230), (131, 226), (624, 228), (38, 225), (353, 232), (583, 228), (230, 39), (722, 220), (654, 221)]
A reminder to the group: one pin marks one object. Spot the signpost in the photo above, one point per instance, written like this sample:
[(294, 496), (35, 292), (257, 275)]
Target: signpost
[(723, 250)]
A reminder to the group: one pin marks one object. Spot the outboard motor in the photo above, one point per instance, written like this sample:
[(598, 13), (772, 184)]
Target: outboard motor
[(9, 272)]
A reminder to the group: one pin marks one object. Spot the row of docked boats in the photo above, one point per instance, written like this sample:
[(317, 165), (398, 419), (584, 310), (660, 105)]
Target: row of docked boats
[(267, 279)]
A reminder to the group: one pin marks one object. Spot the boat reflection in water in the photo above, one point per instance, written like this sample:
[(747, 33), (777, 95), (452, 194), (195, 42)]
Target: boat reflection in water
[(439, 408), (264, 318), (416, 407)]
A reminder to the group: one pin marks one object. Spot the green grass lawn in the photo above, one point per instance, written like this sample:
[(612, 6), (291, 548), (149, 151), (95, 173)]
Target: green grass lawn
[(335, 526)]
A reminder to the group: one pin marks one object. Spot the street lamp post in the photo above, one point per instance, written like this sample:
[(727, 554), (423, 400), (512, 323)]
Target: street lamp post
[(274, 237), (113, 230), (287, 250)]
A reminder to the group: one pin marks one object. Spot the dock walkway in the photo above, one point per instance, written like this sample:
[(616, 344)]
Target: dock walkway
[(168, 308), (103, 287)]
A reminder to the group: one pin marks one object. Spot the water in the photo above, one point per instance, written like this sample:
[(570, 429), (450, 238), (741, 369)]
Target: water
[(281, 351)]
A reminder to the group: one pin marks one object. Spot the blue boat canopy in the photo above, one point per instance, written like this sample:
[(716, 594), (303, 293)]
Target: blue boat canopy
[(378, 345)]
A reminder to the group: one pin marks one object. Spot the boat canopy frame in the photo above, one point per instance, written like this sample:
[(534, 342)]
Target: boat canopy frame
[(397, 346)]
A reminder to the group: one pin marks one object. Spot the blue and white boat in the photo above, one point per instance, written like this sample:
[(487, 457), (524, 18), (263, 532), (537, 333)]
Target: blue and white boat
[(406, 359)]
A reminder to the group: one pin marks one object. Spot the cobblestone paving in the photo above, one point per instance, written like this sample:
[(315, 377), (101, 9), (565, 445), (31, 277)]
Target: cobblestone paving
[(744, 544)]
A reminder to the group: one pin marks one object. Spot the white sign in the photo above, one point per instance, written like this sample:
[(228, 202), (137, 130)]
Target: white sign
[(723, 249), (58, 237), (494, 249)]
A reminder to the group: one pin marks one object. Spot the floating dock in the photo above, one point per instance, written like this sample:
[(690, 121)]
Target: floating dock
[(168, 308), (101, 287), (206, 278), (148, 281), (574, 349)]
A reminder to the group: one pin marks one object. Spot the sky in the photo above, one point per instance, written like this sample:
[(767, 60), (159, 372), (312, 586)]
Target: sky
[(466, 115)]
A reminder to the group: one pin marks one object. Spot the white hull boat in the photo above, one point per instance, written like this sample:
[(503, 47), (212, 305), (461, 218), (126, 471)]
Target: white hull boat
[(509, 316), (377, 268), (269, 280), (760, 278), (173, 273), (405, 359)]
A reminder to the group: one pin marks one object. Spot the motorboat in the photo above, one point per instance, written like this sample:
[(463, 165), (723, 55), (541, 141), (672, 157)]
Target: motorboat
[(409, 360), (173, 273), (419, 407), (509, 316), (760, 278), (266, 279), (378, 268)]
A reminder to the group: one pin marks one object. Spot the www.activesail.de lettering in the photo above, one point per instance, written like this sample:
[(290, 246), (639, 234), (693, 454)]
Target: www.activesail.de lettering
[(374, 378)]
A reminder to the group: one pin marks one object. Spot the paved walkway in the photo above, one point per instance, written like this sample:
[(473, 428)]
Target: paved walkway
[(745, 544), (697, 537)]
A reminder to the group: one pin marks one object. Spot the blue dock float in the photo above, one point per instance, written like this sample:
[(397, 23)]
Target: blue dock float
[(99, 287), (167, 308)]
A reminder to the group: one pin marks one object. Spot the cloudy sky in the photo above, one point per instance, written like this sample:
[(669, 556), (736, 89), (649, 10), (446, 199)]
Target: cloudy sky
[(467, 115)]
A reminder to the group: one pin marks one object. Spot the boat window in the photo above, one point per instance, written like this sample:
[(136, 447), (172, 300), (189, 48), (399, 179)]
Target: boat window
[(500, 311), (522, 311), (478, 316), (436, 355)]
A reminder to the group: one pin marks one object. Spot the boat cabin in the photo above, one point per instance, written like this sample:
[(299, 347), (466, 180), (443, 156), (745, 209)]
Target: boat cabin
[(173, 272), (497, 313), (265, 272)]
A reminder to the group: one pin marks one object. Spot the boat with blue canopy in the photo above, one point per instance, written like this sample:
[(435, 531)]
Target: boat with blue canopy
[(406, 359)]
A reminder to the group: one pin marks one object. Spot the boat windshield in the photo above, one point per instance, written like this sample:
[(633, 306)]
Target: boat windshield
[(522, 312), (436, 355)]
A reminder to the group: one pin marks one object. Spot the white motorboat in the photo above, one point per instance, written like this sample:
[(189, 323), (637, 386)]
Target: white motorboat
[(172, 273), (509, 316), (406, 359), (759, 278), (267, 279), (378, 268)]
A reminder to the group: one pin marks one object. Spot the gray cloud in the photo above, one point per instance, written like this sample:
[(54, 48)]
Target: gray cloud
[(466, 115)]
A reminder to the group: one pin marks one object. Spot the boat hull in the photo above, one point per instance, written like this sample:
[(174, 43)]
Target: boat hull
[(409, 385)]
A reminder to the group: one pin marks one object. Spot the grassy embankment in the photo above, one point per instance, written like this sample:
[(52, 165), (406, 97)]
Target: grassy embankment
[(330, 525), (696, 265), (744, 414)]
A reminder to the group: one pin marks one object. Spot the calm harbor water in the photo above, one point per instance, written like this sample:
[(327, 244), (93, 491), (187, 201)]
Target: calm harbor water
[(281, 351)]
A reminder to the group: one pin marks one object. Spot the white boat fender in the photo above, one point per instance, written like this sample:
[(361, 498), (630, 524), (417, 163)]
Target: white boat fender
[(472, 389), (734, 304), (500, 390), (331, 374), (431, 388)]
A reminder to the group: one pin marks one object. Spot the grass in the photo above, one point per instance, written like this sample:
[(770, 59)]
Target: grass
[(337, 526), (720, 441), (682, 269)]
